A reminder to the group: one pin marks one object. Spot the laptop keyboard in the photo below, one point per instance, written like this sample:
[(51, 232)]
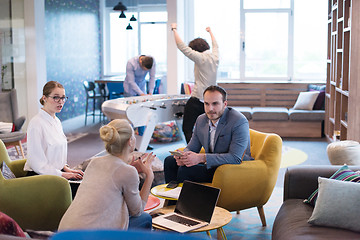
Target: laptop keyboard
[(182, 220)]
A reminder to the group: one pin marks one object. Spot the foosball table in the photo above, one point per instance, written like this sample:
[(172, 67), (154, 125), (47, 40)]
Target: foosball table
[(147, 111)]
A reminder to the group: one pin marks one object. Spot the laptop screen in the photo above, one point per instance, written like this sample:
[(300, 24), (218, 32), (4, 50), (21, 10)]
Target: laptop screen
[(197, 201)]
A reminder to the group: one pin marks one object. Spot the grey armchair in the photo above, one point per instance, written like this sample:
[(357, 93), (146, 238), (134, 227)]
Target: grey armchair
[(9, 113)]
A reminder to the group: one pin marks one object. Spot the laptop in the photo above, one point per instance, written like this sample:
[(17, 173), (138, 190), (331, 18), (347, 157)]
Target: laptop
[(193, 210)]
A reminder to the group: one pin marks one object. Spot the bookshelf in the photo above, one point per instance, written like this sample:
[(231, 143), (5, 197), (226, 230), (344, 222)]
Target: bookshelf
[(342, 99)]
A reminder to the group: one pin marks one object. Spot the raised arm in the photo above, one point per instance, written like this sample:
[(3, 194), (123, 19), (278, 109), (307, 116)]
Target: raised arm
[(176, 34), (208, 29), (213, 41)]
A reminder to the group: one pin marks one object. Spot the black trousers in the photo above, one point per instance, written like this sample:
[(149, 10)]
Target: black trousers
[(74, 186), (193, 108), (197, 173)]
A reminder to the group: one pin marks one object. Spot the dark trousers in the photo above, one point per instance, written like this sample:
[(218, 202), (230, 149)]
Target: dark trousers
[(193, 108), (74, 186), (197, 173)]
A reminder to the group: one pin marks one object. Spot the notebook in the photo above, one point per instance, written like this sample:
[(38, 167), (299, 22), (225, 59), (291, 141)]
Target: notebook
[(193, 210)]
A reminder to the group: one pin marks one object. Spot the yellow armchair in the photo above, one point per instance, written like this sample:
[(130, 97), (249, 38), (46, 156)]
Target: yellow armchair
[(36, 202), (250, 183)]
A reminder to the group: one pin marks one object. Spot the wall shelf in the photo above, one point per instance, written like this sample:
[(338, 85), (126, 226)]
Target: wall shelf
[(343, 74)]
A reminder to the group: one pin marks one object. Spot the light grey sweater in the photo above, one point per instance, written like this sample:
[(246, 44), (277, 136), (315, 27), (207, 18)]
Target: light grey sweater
[(205, 68), (108, 194)]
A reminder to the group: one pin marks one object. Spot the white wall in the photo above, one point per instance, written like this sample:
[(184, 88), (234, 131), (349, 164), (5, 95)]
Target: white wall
[(34, 15), (175, 59)]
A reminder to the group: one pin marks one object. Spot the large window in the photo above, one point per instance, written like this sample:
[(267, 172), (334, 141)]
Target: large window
[(147, 37), (266, 39)]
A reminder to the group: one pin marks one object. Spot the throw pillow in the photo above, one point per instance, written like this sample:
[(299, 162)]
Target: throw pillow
[(6, 172), (6, 127), (306, 100), (343, 174), (320, 100), (9, 227), (338, 205)]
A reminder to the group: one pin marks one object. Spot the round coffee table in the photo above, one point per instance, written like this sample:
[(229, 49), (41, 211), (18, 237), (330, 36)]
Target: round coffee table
[(220, 218)]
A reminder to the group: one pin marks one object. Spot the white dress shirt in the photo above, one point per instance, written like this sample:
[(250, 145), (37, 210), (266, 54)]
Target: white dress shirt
[(46, 145), (135, 83), (212, 131)]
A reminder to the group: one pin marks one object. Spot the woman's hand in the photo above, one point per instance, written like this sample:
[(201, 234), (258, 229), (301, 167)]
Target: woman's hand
[(72, 175), (208, 29), (143, 164)]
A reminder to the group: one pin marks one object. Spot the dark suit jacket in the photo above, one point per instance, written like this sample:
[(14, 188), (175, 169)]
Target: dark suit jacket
[(232, 139)]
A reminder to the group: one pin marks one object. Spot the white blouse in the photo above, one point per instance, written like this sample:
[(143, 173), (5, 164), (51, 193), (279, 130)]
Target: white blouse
[(46, 145)]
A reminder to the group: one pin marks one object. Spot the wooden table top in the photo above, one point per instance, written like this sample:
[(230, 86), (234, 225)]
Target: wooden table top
[(220, 218)]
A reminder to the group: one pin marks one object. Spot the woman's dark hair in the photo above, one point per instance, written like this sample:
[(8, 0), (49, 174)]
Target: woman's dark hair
[(48, 88), (215, 88), (199, 44)]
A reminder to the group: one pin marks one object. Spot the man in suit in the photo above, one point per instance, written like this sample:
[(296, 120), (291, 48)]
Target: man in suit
[(224, 134)]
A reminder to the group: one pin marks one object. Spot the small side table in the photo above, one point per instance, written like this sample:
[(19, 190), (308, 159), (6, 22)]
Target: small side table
[(152, 203), (220, 218), (162, 188)]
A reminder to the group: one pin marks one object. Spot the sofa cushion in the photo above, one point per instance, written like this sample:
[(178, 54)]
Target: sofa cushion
[(316, 87), (270, 114), (320, 100), (337, 205), (343, 174), (9, 227), (306, 100), (306, 115), (6, 172), (246, 111), (291, 223)]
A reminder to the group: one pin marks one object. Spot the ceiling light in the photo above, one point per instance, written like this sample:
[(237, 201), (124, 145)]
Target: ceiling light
[(129, 27), (133, 19)]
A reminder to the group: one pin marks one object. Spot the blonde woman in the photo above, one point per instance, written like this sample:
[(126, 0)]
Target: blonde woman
[(109, 196), (46, 141)]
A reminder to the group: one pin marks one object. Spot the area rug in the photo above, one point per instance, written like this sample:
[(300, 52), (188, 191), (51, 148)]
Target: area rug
[(292, 156)]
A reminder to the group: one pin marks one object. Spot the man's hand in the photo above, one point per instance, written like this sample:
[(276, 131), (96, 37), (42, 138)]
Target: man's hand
[(190, 159), (173, 25), (208, 29), (179, 160)]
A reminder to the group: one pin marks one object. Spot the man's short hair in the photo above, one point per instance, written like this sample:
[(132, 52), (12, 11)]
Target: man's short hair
[(147, 62), (215, 88), (199, 44)]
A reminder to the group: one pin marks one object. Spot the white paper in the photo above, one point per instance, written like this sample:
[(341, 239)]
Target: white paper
[(173, 193)]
